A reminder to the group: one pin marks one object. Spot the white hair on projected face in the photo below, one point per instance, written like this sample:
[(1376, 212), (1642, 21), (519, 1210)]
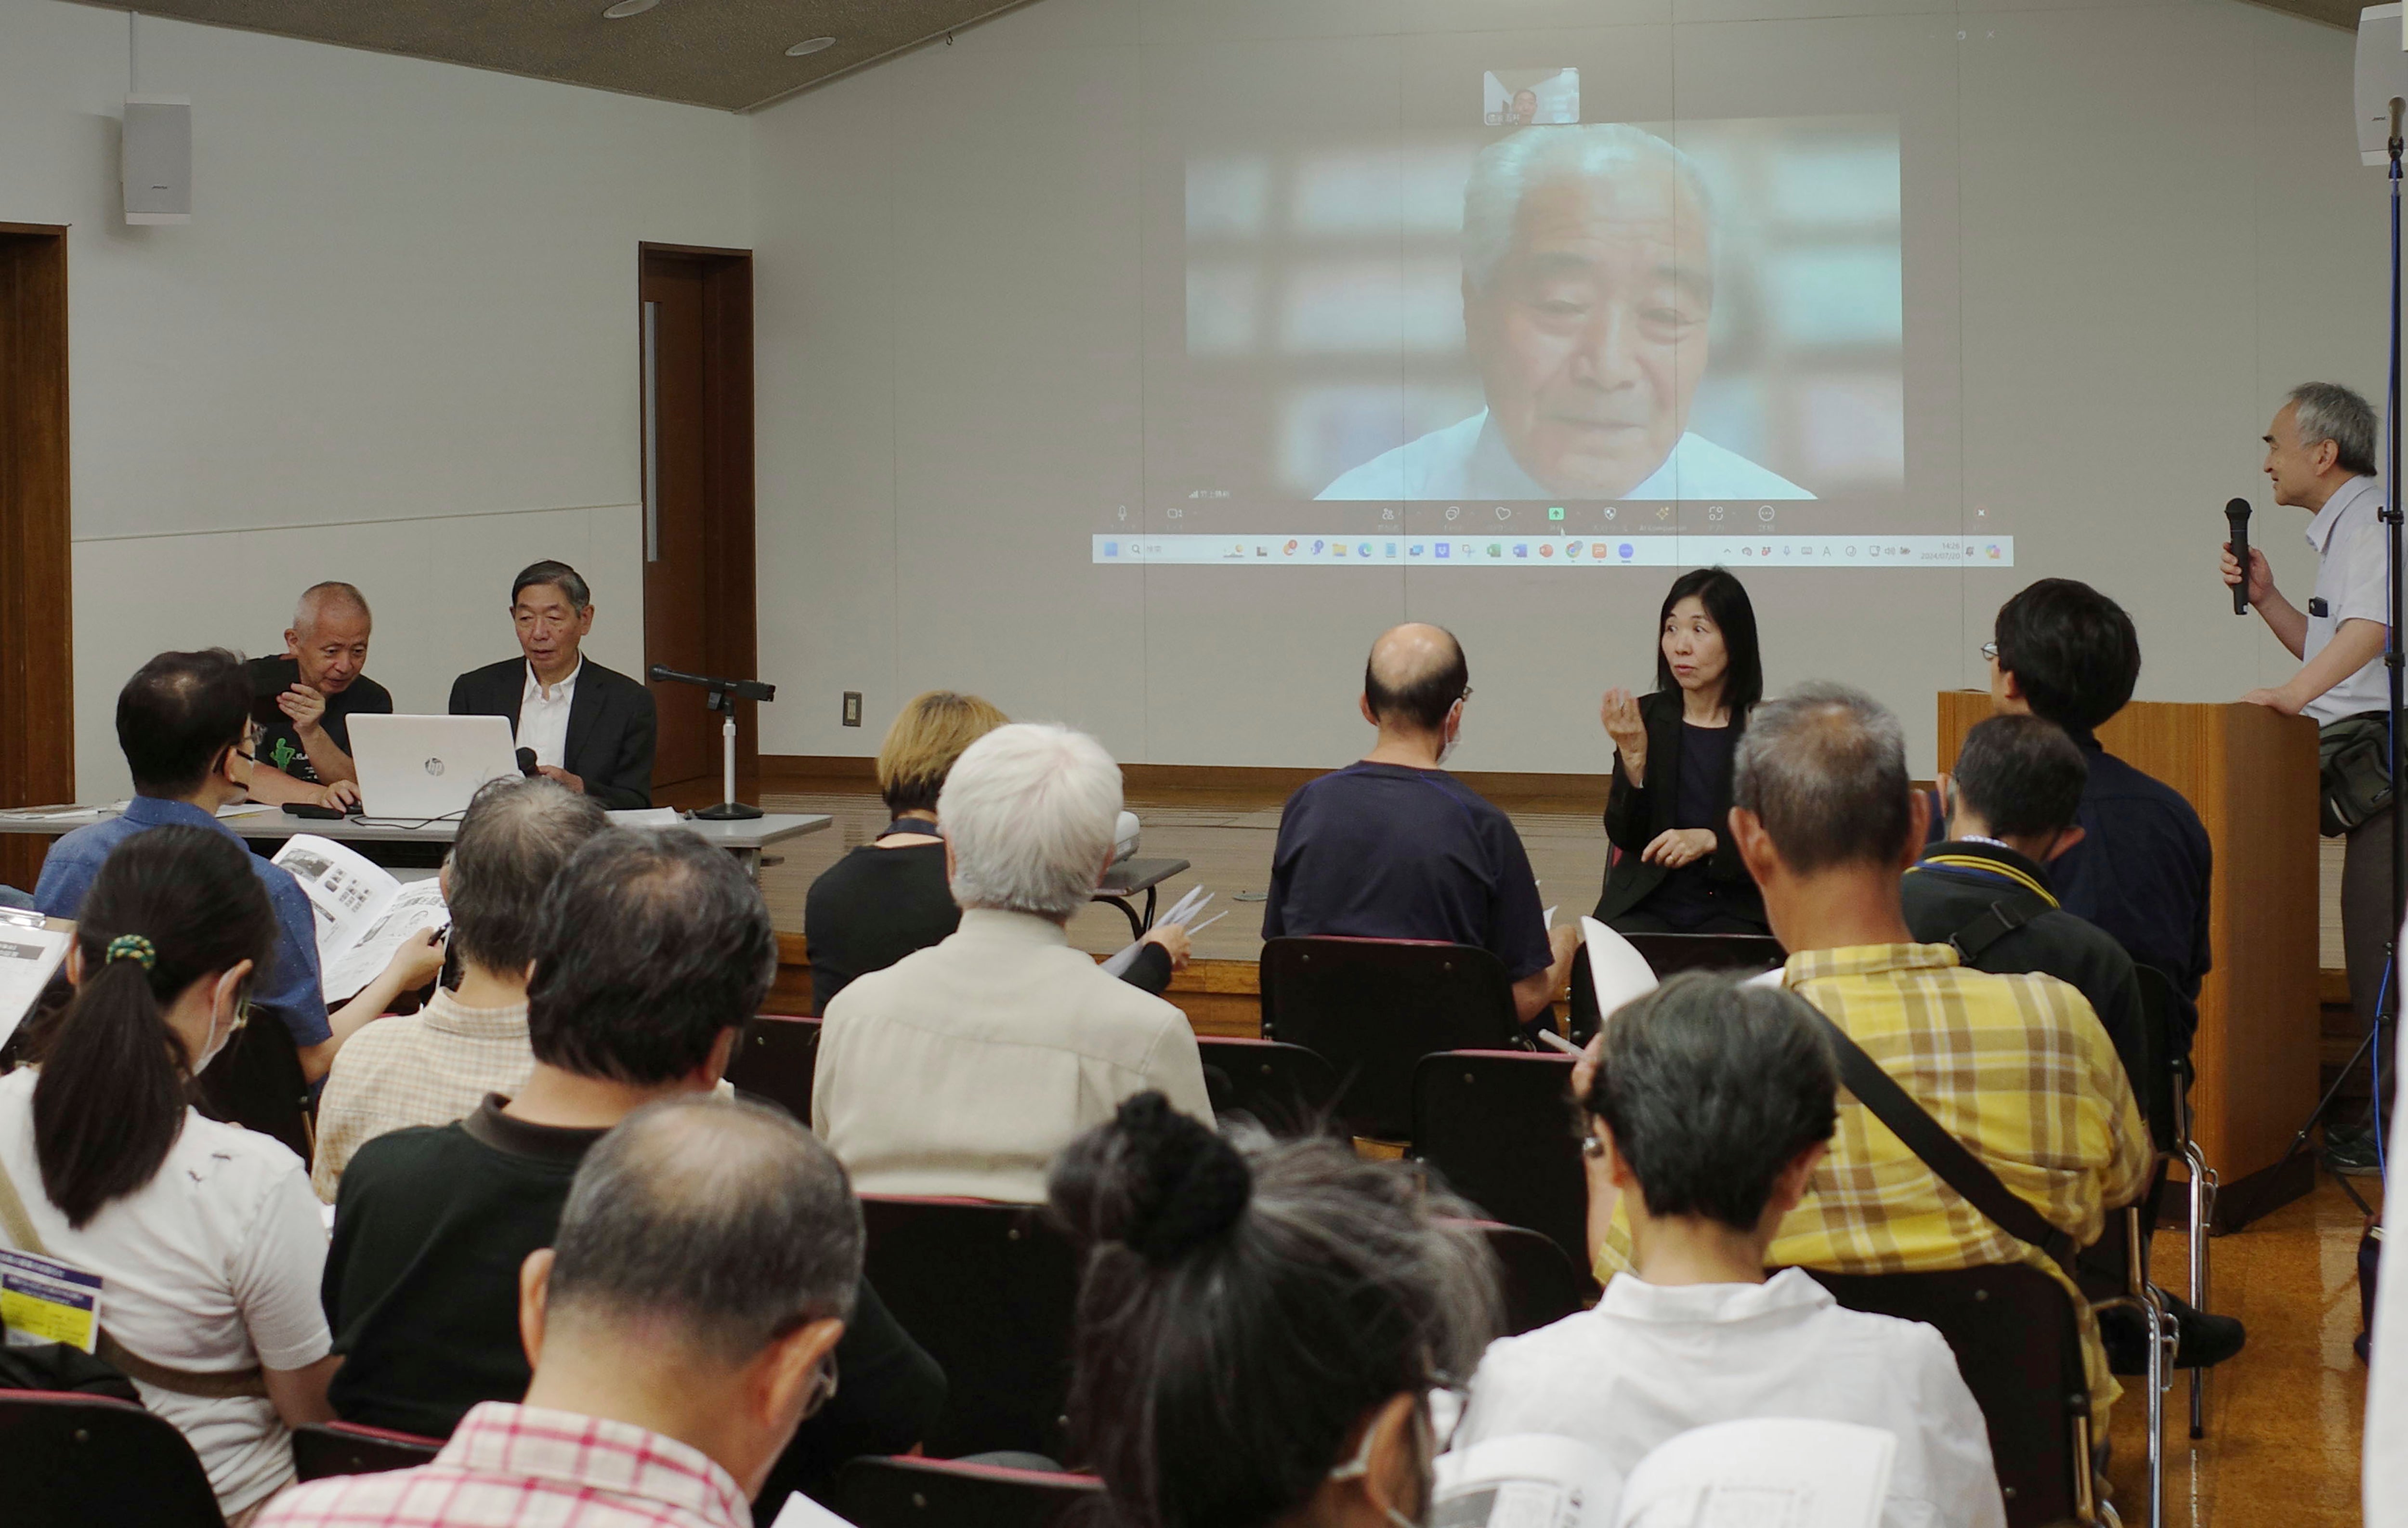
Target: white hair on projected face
[(1030, 810), (1510, 168)]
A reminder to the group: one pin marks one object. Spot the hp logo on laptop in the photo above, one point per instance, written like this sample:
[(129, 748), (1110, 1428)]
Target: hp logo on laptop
[(435, 766)]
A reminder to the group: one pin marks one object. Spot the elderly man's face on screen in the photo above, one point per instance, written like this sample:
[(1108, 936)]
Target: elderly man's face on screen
[(1590, 333)]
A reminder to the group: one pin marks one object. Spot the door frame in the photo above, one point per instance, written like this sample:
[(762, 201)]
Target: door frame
[(731, 630), (36, 596)]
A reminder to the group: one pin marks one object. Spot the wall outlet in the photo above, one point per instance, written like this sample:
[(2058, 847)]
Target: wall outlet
[(853, 708)]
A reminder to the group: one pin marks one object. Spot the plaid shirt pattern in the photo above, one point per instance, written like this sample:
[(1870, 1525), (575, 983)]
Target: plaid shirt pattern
[(514, 1467), (2017, 1067), (426, 1068)]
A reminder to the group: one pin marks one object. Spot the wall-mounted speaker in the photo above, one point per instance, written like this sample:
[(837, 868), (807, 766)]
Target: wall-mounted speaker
[(157, 163)]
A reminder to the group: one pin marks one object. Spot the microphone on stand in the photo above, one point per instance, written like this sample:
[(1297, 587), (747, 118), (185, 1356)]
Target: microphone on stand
[(526, 762), (2236, 517)]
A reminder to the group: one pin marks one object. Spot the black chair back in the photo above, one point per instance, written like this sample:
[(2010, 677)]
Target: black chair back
[(1285, 1088), (988, 1290), (341, 1448), (1374, 1007), (875, 1492), (256, 1082), (1498, 1127), (777, 1058), (2165, 1041), (76, 1461), (1541, 1285), (1668, 954), (2012, 1329)]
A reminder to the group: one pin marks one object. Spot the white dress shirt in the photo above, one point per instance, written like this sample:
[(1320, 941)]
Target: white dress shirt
[(2347, 535), (1469, 460), (965, 1067), (1653, 1360), (543, 716)]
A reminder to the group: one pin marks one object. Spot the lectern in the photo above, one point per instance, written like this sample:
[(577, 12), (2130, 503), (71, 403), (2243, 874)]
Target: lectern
[(2251, 775)]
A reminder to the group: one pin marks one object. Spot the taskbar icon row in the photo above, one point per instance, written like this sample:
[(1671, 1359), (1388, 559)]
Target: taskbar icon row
[(1330, 550)]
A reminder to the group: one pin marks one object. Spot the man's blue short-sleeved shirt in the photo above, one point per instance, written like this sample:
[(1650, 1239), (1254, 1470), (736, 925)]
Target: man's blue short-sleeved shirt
[(1385, 851), (291, 988)]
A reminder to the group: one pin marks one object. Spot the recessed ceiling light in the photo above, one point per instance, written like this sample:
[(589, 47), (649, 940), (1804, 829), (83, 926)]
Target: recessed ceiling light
[(811, 47), (625, 8)]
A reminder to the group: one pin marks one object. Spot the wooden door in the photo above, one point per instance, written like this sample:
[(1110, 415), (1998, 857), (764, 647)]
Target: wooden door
[(697, 422), (36, 647)]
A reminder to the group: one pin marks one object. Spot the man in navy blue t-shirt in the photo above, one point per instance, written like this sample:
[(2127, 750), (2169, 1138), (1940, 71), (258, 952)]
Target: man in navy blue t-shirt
[(1396, 848)]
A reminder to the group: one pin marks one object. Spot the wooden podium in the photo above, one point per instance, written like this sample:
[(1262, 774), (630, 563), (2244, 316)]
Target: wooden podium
[(2251, 775)]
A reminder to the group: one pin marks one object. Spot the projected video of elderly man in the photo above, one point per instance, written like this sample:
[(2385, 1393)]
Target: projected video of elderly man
[(1588, 286)]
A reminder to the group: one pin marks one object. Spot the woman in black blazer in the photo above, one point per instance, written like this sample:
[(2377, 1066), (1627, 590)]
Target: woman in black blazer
[(1677, 871)]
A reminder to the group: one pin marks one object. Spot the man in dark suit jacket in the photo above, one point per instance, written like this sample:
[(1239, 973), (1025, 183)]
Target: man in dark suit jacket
[(592, 728)]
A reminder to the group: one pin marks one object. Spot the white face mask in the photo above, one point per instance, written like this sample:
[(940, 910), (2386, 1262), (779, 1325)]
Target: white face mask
[(1359, 1467), (214, 1043)]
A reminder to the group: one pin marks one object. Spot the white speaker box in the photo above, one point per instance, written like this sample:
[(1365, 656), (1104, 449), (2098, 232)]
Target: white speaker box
[(157, 164)]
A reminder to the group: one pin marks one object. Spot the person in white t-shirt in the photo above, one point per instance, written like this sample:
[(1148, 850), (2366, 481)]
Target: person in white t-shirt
[(206, 1237), (1710, 1105)]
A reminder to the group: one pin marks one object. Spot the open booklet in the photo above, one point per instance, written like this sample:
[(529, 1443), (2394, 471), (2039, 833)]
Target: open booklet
[(1773, 1472), (364, 913), (1183, 914), (31, 950)]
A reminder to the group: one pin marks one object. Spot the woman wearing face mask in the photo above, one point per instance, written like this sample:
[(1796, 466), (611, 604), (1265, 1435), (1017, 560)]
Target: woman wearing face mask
[(1677, 871), (205, 1236), (1259, 1329)]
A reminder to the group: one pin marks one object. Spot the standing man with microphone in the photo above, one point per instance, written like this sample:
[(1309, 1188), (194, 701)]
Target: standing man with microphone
[(2320, 452)]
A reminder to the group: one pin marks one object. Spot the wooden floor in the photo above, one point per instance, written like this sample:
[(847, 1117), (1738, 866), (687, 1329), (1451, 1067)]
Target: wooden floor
[(2285, 1418)]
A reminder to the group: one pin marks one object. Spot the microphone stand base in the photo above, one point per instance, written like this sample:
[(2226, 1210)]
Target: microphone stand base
[(729, 811)]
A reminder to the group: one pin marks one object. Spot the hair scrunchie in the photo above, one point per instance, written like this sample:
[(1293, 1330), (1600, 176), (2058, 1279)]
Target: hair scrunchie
[(132, 947)]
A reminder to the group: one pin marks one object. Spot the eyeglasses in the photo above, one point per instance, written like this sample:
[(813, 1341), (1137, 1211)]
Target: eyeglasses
[(1990, 651), (822, 1388), (1458, 1397), (1466, 694)]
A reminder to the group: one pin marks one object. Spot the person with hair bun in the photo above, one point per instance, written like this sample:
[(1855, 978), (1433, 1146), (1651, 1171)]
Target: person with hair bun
[(1708, 1105), (1260, 1325), (205, 1236)]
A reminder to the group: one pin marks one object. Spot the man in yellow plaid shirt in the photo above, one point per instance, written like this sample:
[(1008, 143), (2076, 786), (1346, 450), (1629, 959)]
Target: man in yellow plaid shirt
[(2016, 1068)]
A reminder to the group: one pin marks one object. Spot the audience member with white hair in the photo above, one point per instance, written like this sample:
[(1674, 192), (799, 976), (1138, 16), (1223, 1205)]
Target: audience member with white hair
[(964, 1068)]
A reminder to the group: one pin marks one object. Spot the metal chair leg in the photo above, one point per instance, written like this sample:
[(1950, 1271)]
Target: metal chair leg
[(2202, 1215)]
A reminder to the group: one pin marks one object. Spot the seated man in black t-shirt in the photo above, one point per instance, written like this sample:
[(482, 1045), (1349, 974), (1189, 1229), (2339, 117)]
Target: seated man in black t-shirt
[(651, 949), (305, 752), (1396, 848)]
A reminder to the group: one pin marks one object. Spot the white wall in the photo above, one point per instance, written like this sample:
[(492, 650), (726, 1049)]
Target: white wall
[(2131, 227), (396, 345)]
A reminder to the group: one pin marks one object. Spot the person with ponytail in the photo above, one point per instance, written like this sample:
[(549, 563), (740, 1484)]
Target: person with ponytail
[(1260, 1325), (206, 1237)]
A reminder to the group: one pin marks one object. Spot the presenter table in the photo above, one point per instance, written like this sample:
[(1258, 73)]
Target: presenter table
[(745, 840)]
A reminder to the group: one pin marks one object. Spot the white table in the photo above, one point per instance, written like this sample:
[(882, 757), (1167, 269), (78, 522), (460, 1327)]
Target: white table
[(745, 840)]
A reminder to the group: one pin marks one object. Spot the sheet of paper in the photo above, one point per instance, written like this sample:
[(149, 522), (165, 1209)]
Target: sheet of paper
[(71, 813), (1180, 912), (346, 888), (248, 808), (1528, 1481), (645, 817), (44, 1300), (32, 948), (1620, 972), (1785, 1470), (800, 1511), (416, 907)]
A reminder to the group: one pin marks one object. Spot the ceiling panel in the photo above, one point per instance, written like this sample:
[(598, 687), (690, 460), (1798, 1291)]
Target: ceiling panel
[(724, 53)]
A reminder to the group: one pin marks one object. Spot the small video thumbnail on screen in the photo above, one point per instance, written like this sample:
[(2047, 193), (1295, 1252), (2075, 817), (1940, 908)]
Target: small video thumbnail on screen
[(1526, 97), (1604, 312)]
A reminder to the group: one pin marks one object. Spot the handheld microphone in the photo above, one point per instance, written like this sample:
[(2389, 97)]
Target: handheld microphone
[(526, 762), (2236, 517)]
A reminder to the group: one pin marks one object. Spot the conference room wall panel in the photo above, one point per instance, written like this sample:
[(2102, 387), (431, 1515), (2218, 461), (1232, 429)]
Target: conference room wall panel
[(407, 294), (2127, 227)]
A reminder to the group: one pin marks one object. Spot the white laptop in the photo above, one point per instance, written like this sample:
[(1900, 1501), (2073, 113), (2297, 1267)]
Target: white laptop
[(417, 768)]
